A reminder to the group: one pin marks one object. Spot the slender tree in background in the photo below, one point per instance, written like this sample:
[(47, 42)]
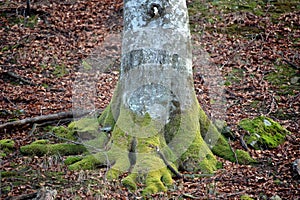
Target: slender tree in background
[(27, 10), (158, 126)]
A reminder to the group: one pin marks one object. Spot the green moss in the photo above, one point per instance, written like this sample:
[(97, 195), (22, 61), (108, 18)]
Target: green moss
[(208, 164), (285, 79), (72, 159), (130, 181), (99, 142), (7, 145), (244, 157), (149, 168), (277, 181), (106, 119), (264, 132), (223, 150), (4, 174), (41, 142), (88, 162), (218, 143), (2, 154), (40, 148), (157, 181), (197, 7), (152, 171), (90, 125), (246, 197), (60, 70), (64, 132)]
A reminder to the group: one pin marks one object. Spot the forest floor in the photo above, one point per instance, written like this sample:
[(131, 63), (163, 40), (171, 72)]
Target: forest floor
[(254, 44)]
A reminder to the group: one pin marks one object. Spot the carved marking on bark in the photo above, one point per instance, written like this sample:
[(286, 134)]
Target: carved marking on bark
[(136, 58)]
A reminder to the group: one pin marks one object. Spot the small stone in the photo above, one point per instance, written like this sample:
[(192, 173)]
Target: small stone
[(295, 80), (275, 197), (296, 167), (267, 123)]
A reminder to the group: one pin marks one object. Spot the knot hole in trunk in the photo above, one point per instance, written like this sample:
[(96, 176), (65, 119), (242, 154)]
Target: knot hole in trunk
[(155, 10)]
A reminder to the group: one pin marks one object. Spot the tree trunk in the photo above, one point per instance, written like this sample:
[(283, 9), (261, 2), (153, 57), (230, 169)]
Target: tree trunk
[(157, 124)]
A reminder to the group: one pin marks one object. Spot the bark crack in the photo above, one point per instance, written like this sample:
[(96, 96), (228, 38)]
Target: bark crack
[(132, 153)]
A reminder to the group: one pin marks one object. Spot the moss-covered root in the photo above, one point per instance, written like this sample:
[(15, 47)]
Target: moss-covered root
[(86, 162), (150, 170), (218, 144), (223, 149), (107, 118), (42, 147)]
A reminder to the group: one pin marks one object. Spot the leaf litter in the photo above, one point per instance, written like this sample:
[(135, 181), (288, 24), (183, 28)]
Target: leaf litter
[(251, 50)]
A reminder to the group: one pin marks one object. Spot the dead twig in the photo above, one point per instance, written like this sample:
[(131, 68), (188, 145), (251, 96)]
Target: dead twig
[(292, 64), (23, 196), (174, 171), (237, 161), (21, 79), (54, 122), (273, 106), (243, 143)]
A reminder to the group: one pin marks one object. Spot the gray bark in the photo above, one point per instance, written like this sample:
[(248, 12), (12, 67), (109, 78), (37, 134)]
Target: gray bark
[(156, 69)]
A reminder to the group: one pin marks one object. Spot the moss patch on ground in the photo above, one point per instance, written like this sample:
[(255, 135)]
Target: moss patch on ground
[(210, 12), (42, 147), (64, 132), (6, 146), (246, 197), (286, 79), (264, 133)]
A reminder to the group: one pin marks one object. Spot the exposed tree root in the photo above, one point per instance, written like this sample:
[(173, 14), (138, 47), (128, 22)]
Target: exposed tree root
[(144, 153)]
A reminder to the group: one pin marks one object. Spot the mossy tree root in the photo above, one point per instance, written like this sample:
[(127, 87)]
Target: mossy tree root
[(42, 147), (145, 164), (192, 146)]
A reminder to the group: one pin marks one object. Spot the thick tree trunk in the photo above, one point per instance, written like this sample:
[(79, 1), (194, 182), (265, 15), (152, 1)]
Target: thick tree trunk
[(158, 125), (154, 108)]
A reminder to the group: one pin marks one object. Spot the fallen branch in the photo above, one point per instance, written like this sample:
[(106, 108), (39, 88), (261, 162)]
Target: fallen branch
[(243, 143), (16, 76), (292, 64), (25, 81), (57, 122), (23, 196), (44, 118), (237, 161), (43, 193)]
